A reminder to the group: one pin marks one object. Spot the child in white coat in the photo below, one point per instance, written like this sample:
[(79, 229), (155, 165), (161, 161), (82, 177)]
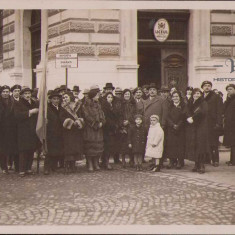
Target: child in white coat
[(154, 146)]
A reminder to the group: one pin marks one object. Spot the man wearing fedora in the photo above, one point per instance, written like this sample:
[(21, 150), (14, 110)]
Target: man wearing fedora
[(215, 112), (26, 113), (54, 133), (6, 123), (14, 156), (76, 91), (155, 105)]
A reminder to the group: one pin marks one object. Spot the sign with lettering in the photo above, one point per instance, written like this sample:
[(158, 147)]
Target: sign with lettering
[(66, 61), (161, 30)]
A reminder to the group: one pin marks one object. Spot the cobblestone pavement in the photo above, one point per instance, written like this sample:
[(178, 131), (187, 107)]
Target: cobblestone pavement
[(117, 197)]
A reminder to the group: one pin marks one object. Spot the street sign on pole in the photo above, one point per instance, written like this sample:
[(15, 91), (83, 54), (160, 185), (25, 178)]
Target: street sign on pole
[(66, 61)]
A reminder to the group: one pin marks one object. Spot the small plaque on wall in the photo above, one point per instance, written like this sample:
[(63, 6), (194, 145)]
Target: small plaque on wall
[(161, 30)]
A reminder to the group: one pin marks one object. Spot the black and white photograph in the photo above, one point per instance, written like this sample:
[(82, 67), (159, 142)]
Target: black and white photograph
[(117, 118)]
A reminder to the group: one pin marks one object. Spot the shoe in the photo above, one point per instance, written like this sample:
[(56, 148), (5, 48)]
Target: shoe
[(156, 169), (22, 174), (170, 166), (5, 172), (108, 167), (216, 164), (30, 172), (151, 167), (202, 169), (178, 166)]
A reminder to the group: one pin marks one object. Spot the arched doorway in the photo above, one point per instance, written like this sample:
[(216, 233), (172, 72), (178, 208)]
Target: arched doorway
[(35, 30)]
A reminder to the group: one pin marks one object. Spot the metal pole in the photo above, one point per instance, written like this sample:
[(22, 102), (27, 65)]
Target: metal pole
[(66, 77)]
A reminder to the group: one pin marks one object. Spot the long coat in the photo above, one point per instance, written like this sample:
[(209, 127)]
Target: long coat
[(72, 138), (26, 133), (55, 142), (155, 137), (215, 112), (8, 127), (128, 112), (229, 121), (137, 138), (197, 136), (176, 137), (156, 106), (93, 134), (111, 127)]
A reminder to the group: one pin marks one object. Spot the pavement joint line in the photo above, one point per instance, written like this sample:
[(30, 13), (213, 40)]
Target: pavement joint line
[(208, 183)]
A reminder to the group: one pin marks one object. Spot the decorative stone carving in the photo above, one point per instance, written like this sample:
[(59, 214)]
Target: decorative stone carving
[(221, 29), (7, 13), (81, 50), (221, 51), (70, 26), (53, 32), (7, 29), (54, 12), (108, 28), (81, 26), (108, 51), (8, 64)]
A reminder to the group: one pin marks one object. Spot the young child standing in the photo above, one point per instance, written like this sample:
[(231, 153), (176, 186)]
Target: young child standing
[(137, 141), (154, 146)]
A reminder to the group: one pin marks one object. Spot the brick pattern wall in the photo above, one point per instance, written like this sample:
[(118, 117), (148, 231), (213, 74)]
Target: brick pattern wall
[(222, 33), (94, 33)]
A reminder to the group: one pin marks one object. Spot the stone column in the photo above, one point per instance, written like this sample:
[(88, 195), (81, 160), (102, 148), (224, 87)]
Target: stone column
[(128, 66), (16, 75)]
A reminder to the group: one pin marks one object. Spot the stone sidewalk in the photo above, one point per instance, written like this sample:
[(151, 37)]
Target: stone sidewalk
[(119, 197)]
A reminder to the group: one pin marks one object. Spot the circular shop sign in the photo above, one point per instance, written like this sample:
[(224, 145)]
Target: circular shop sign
[(161, 30)]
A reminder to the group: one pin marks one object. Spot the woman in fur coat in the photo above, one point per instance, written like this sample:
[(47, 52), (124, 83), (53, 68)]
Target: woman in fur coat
[(197, 136), (73, 124), (93, 132)]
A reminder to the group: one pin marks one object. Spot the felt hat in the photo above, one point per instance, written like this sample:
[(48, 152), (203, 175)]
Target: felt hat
[(24, 89), (152, 85), (76, 88), (109, 85), (137, 89), (118, 90), (15, 87), (86, 91), (206, 82), (54, 94), (95, 87), (230, 85), (5, 87), (164, 88)]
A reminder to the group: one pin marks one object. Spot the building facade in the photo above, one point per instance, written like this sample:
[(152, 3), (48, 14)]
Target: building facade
[(118, 46)]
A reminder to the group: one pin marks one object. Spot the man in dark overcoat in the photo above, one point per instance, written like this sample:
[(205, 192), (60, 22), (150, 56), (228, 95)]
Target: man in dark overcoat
[(54, 133), (6, 123), (26, 113), (155, 105), (14, 154), (229, 122), (215, 112)]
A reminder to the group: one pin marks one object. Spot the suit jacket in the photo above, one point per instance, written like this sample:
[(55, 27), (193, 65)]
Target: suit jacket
[(156, 106), (140, 106)]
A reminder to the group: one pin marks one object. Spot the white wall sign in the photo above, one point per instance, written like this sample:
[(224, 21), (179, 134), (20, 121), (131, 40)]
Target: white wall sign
[(66, 61), (161, 30)]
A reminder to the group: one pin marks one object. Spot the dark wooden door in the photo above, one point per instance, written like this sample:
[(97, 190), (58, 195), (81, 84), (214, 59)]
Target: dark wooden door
[(35, 29)]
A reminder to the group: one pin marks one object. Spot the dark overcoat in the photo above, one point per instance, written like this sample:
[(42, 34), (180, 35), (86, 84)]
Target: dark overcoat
[(215, 112), (72, 138), (176, 137), (229, 121), (111, 127), (197, 136), (55, 142), (93, 135), (128, 113), (156, 106), (26, 132), (137, 137), (8, 127), (140, 106)]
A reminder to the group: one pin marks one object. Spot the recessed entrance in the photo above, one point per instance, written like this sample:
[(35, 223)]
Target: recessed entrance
[(164, 63)]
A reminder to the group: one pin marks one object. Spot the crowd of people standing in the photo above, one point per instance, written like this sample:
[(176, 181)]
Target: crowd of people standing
[(129, 124)]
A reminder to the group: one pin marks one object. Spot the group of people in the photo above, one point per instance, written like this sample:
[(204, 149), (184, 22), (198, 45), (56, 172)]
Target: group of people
[(123, 124)]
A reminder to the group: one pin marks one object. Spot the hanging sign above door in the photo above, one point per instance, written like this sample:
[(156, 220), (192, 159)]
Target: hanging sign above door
[(161, 30)]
